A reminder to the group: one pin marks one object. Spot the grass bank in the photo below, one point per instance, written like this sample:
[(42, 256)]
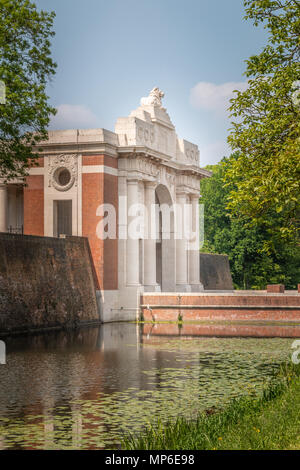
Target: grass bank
[(270, 421)]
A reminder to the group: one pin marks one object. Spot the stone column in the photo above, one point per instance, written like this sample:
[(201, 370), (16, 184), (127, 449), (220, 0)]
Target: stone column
[(132, 246), (122, 232), (194, 254), (13, 207), (3, 208), (181, 245), (150, 283)]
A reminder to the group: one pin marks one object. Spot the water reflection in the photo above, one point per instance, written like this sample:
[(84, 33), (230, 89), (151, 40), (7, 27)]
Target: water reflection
[(254, 330), (84, 389)]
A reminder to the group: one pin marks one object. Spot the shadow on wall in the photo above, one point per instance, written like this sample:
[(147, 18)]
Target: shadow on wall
[(215, 272)]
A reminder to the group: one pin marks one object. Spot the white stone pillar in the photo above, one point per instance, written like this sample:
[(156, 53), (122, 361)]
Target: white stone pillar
[(122, 225), (181, 245), (3, 208), (12, 215), (194, 253), (132, 246), (150, 283)]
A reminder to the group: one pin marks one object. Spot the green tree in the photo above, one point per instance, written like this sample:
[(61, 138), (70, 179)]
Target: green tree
[(227, 233), (266, 131), (25, 68)]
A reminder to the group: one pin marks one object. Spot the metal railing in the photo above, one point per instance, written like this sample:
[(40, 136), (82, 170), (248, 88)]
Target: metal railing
[(16, 230)]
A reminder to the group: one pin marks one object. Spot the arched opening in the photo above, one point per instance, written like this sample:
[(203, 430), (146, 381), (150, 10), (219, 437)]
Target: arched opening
[(165, 242)]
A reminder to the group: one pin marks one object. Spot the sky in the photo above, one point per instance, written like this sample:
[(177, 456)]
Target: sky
[(110, 53)]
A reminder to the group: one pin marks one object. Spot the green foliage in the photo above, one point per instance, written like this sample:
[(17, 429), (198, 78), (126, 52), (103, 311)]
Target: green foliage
[(25, 68), (242, 240), (266, 131)]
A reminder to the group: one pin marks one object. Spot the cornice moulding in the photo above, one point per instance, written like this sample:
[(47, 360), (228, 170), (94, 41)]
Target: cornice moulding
[(84, 149)]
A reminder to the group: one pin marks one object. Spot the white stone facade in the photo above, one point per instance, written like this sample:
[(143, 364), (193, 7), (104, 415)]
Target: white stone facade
[(143, 162)]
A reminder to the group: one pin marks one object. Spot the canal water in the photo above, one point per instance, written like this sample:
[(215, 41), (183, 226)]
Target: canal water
[(87, 389)]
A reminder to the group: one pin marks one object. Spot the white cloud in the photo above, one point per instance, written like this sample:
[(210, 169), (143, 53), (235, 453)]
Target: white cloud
[(71, 116), (214, 152), (208, 96)]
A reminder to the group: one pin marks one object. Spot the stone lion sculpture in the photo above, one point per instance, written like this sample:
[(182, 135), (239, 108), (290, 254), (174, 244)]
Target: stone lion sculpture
[(154, 98)]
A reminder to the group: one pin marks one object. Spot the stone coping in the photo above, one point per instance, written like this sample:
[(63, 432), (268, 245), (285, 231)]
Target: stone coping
[(219, 307), (222, 293)]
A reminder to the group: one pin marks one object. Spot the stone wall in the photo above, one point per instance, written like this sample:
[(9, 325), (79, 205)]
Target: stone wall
[(45, 283), (215, 272)]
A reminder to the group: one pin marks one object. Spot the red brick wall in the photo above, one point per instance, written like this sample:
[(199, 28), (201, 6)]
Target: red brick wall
[(99, 160), (225, 307), (37, 162), (34, 205), (276, 288), (92, 197), (100, 188), (222, 300), (110, 245), (222, 315)]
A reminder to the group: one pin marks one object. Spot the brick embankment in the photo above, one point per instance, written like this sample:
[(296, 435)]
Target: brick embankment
[(236, 306), (45, 283)]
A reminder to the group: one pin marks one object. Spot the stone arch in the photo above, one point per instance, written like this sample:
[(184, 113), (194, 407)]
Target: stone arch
[(165, 244)]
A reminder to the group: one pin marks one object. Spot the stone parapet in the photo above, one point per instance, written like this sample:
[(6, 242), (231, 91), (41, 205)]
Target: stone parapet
[(275, 288)]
